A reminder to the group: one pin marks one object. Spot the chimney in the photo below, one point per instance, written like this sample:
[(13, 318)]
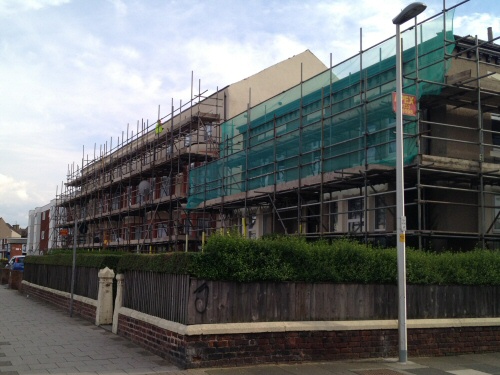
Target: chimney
[(490, 34)]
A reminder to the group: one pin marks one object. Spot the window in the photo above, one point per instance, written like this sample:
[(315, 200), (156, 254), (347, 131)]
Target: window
[(138, 232), (203, 225), (128, 195), (382, 141), (316, 166), (42, 235), (496, 217), (162, 231), (380, 212), (115, 203), (152, 191), (334, 216), (355, 215), (143, 192), (280, 173), (83, 212), (165, 186), (495, 128), (208, 132), (147, 231)]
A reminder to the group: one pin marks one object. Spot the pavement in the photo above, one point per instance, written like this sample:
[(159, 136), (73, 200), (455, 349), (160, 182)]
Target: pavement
[(38, 338)]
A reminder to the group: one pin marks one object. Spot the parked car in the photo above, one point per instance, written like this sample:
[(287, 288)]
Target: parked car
[(16, 263)]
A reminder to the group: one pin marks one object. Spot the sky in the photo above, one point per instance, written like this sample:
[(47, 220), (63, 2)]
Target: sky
[(75, 73)]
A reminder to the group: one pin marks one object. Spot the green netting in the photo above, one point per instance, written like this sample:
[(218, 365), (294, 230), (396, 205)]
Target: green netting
[(340, 119)]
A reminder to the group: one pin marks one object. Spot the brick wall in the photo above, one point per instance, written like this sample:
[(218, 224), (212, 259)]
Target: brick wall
[(453, 341), (162, 342), (270, 347), (84, 310)]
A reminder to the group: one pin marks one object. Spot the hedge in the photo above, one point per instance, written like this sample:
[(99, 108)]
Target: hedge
[(291, 258), (177, 263), (91, 260)]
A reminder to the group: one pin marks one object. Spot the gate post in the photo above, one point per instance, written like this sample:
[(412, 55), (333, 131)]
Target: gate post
[(104, 311), (120, 278)]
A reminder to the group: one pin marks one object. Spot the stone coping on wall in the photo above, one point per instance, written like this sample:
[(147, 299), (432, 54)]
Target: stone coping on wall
[(86, 300), (259, 327)]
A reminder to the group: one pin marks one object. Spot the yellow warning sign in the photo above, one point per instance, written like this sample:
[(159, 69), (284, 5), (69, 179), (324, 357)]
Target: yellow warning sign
[(402, 237)]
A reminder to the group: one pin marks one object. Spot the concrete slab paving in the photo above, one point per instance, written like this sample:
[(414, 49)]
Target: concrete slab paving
[(36, 338)]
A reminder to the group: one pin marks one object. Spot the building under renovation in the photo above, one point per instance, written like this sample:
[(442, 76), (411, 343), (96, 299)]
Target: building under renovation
[(301, 148)]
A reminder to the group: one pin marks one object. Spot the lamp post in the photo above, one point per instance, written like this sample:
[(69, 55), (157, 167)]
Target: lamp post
[(406, 14)]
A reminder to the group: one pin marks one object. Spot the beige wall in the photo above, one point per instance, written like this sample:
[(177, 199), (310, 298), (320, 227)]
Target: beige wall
[(6, 232), (272, 81)]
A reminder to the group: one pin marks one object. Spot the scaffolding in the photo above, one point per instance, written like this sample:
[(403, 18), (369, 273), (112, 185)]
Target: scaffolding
[(132, 194), (317, 160)]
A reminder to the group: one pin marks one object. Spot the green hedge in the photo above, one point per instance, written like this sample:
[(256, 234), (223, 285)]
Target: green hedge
[(92, 260), (177, 263), (291, 258), (343, 261)]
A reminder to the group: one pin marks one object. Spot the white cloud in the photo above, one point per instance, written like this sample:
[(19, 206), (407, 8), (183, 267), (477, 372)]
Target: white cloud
[(12, 190), (120, 6), (16, 6), (236, 61), (477, 24)]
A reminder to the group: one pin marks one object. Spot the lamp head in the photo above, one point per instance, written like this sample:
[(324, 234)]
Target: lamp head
[(411, 11)]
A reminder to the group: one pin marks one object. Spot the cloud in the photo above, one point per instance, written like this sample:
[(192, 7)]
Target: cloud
[(477, 24), (12, 190), (236, 61), (8, 7), (120, 7)]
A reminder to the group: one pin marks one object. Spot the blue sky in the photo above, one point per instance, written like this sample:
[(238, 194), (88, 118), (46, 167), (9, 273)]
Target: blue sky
[(74, 73)]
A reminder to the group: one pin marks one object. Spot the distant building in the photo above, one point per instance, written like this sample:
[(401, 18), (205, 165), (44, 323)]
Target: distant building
[(7, 230), (41, 229), (11, 239), (14, 246), (7, 233)]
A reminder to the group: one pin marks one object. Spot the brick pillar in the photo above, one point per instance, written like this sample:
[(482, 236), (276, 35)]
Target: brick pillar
[(104, 311), (15, 279), (118, 301)]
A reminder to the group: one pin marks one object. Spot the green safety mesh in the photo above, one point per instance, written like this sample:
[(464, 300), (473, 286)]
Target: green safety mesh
[(345, 111)]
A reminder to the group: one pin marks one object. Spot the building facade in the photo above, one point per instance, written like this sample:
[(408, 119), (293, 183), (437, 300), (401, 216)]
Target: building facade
[(41, 229), (8, 233), (311, 154)]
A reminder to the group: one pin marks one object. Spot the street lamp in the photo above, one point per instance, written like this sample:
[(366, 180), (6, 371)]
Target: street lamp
[(406, 14)]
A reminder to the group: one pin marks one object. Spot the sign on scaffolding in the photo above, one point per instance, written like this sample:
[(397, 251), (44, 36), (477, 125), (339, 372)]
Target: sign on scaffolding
[(409, 104)]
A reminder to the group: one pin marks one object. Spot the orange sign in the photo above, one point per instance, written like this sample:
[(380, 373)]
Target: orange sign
[(63, 232), (409, 104)]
